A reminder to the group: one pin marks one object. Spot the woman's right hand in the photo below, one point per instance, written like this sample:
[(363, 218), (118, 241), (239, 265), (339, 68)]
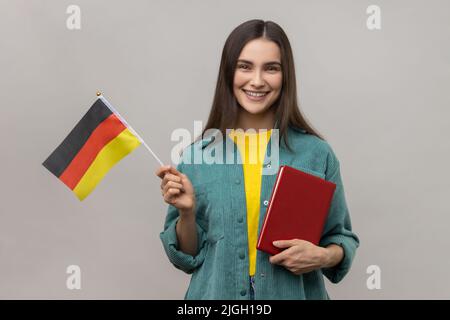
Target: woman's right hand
[(177, 189)]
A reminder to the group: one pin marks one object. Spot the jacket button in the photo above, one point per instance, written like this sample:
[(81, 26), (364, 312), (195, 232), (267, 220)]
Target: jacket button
[(266, 202), (241, 255), (237, 181), (240, 219), (243, 292)]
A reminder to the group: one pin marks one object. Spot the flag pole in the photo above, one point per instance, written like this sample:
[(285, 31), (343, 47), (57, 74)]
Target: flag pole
[(106, 102)]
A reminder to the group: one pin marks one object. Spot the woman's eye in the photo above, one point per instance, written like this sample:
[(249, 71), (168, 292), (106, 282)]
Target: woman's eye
[(243, 66), (273, 68)]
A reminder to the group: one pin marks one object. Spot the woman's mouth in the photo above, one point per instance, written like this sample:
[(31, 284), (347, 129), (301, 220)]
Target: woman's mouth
[(256, 95)]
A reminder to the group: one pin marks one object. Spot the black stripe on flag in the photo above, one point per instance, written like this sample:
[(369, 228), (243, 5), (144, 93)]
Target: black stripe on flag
[(61, 157)]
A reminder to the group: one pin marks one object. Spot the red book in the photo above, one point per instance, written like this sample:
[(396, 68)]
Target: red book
[(298, 209)]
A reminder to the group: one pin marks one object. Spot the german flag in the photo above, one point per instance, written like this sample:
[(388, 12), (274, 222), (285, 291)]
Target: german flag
[(98, 141)]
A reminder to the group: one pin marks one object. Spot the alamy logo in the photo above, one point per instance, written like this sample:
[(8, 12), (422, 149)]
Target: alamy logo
[(73, 22), (374, 280), (74, 280), (220, 150), (374, 20)]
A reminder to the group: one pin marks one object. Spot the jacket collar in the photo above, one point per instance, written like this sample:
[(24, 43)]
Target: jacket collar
[(207, 140)]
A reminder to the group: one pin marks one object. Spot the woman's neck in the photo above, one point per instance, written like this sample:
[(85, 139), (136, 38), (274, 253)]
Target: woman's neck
[(255, 121)]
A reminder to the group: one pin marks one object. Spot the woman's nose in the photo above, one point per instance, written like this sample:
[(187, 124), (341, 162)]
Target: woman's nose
[(257, 79)]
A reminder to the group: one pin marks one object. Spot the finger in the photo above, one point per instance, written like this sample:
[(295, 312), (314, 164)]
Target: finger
[(172, 177), (168, 169), (172, 184), (283, 256), (160, 172), (169, 195), (169, 177), (173, 191), (174, 170), (171, 201), (277, 259), (285, 243)]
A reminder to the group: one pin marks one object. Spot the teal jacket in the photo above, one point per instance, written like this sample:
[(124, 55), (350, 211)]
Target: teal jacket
[(220, 268)]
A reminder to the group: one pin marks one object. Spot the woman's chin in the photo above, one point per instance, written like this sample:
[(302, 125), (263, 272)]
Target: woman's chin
[(255, 110)]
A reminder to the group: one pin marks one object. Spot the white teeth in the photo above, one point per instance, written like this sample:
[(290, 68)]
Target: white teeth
[(256, 94)]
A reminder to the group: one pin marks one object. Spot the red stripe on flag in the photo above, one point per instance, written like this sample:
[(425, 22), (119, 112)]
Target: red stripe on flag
[(106, 131)]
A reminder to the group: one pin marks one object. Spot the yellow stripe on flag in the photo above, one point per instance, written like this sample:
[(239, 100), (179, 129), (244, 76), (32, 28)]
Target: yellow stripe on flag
[(110, 154)]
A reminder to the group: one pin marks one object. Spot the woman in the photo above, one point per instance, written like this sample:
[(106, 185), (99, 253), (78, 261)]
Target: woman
[(216, 210)]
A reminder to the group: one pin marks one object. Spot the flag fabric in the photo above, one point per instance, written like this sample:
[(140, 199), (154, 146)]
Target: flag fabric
[(98, 141)]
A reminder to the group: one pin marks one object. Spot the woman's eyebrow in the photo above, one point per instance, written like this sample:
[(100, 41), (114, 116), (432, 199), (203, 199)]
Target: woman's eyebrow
[(267, 63)]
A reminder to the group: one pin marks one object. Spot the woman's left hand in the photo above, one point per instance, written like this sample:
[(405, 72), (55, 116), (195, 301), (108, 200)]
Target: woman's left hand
[(300, 256)]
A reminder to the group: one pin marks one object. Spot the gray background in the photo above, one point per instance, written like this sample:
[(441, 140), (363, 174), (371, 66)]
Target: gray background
[(380, 98)]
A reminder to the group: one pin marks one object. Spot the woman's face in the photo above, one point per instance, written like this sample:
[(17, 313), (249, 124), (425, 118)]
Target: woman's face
[(258, 77)]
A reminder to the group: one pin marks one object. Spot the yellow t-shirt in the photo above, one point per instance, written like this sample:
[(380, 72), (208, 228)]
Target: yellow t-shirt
[(250, 146)]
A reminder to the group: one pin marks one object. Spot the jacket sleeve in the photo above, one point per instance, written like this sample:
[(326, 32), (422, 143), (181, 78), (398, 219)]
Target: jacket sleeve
[(338, 228), (179, 259)]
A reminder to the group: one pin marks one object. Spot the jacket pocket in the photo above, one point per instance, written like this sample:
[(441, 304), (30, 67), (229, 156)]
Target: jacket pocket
[(210, 213), (201, 198), (215, 224), (203, 187)]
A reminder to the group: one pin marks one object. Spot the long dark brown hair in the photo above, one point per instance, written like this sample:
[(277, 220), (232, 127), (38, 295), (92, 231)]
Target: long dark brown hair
[(225, 108)]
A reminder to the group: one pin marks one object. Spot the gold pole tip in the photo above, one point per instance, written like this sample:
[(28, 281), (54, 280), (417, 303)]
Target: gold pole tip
[(99, 93)]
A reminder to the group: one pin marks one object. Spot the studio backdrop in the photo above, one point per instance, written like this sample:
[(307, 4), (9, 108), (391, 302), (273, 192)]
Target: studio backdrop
[(372, 78)]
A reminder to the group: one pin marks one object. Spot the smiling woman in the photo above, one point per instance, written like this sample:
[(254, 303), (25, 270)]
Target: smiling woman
[(212, 233), (257, 80)]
